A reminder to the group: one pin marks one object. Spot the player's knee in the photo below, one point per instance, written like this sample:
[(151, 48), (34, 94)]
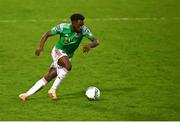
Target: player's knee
[(48, 78), (68, 67)]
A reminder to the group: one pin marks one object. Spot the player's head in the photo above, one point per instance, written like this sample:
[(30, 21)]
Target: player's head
[(77, 21)]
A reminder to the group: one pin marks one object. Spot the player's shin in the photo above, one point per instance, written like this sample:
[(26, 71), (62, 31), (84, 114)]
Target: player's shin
[(37, 86), (61, 74)]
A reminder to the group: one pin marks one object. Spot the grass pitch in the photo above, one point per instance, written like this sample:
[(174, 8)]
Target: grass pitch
[(136, 66)]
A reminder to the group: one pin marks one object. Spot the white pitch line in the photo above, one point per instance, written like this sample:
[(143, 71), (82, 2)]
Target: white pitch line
[(95, 19)]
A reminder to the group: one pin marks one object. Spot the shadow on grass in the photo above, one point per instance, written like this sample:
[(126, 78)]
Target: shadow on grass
[(104, 91), (81, 94), (74, 95)]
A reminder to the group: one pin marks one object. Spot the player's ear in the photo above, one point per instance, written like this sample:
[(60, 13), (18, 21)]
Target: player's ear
[(82, 23)]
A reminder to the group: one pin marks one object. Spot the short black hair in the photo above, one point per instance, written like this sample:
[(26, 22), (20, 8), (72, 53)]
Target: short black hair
[(76, 17)]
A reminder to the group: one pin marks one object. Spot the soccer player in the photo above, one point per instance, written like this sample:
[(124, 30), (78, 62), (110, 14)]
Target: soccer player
[(70, 38)]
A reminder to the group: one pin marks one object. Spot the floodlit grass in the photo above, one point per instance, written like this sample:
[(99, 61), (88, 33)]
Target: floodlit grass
[(136, 66)]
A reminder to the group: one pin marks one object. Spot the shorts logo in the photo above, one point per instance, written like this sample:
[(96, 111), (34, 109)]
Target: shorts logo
[(58, 52)]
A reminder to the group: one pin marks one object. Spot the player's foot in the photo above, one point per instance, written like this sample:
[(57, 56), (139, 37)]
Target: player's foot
[(23, 96), (52, 94)]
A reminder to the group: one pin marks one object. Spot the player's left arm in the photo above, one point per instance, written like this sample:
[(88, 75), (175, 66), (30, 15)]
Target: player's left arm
[(90, 36), (94, 43)]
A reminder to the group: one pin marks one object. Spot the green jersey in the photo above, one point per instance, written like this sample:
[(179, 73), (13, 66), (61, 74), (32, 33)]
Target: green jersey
[(69, 40)]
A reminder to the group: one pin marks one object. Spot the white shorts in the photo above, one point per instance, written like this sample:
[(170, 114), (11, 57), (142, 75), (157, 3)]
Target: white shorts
[(56, 55)]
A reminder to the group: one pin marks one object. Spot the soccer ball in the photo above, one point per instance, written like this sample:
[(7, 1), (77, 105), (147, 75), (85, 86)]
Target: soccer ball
[(92, 93)]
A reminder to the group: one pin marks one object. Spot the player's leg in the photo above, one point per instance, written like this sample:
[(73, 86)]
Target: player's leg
[(64, 66), (51, 74), (39, 84)]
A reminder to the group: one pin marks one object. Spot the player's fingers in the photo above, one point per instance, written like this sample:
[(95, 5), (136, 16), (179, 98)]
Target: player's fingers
[(37, 53), (84, 50), (87, 50)]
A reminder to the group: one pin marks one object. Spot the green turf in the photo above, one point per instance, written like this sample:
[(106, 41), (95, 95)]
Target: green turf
[(136, 66)]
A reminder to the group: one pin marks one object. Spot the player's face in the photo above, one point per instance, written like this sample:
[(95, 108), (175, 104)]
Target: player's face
[(77, 25)]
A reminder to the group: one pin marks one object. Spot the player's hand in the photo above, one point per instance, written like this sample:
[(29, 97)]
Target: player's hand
[(86, 49), (38, 51)]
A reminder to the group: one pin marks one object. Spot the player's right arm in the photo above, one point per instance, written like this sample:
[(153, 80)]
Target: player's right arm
[(54, 31), (42, 42)]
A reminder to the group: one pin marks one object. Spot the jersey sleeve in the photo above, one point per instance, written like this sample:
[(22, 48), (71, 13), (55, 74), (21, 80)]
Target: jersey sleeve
[(57, 29), (87, 33)]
